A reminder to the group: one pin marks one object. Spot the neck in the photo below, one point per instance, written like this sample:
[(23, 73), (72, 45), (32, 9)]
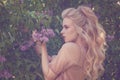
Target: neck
[(79, 41)]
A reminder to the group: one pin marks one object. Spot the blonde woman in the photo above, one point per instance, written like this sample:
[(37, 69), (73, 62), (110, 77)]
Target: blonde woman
[(82, 55)]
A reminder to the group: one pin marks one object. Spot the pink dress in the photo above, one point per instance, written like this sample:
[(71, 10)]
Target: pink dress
[(67, 66)]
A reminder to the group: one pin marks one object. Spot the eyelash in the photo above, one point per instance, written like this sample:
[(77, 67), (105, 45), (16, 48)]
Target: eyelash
[(65, 27)]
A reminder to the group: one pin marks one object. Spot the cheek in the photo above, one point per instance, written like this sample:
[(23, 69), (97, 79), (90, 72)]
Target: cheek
[(73, 36), (74, 32)]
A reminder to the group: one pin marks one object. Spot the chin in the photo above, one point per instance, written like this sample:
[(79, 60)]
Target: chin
[(67, 41)]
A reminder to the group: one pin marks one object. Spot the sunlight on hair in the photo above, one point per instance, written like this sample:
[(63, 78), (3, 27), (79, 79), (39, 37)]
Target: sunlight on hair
[(102, 34)]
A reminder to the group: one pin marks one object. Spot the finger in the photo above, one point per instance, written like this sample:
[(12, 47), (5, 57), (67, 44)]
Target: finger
[(38, 43)]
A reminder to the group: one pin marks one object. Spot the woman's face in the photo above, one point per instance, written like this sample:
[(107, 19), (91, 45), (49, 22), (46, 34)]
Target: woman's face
[(69, 32)]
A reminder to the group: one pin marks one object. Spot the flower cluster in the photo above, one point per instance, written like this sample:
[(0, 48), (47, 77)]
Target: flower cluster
[(4, 73), (110, 37), (26, 45), (43, 36), (2, 59)]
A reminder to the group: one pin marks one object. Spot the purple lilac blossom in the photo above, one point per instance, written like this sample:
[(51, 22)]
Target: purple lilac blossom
[(5, 74), (26, 45), (2, 59), (48, 32), (44, 38), (43, 35), (23, 48), (110, 37), (36, 35)]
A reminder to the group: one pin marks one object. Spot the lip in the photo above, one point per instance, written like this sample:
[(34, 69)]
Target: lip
[(63, 37)]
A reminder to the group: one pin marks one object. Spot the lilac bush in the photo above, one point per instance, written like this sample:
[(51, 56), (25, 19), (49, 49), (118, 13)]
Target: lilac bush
[(42, 32), (18, 19), (4, 73)]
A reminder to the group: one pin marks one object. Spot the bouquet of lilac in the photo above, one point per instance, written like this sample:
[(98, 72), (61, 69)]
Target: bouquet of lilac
[(43, 36)]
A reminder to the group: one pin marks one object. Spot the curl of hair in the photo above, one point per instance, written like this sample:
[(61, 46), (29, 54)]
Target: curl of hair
[(93, 36)]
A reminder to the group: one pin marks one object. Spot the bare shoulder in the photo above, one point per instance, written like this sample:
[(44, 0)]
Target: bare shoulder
[(70, 46), (70, 51)]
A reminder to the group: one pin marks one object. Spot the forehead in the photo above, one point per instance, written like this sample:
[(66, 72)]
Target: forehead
[(67, 21)]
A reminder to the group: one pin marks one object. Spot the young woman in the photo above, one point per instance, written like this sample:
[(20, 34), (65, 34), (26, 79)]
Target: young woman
[(82, 55)]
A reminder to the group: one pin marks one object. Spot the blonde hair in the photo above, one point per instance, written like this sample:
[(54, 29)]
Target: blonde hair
[(93, 36)]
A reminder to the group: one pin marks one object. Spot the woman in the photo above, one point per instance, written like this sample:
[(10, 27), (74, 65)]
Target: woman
[(81, 56)]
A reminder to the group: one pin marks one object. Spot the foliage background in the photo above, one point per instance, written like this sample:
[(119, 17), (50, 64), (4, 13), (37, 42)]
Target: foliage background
[(16, 27)]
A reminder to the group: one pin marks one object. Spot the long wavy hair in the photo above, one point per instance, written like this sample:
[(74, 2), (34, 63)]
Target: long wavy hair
[(93, 35)]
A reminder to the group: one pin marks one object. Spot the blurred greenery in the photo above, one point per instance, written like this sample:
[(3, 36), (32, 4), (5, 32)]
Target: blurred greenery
[(16, 26)]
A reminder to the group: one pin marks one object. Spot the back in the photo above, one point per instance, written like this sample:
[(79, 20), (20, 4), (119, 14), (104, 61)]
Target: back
[(68, 63)]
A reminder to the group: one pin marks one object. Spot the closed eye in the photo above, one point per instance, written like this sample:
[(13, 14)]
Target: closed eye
[(65, 26)]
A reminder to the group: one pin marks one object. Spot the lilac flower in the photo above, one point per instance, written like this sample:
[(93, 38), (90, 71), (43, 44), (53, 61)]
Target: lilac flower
[(43, 35), (110, 37), (44, 38), (43, 32), (48, 32), (2, 59), (26, 45), (36, 35), (5, 74), (23, 48)]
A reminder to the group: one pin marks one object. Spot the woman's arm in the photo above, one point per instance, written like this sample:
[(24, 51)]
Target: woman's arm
[(38, 51), (48, 73), (63, 60)]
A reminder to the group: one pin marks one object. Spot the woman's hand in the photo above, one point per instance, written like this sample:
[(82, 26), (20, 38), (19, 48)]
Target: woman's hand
[(39, 47), (40, 42)]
